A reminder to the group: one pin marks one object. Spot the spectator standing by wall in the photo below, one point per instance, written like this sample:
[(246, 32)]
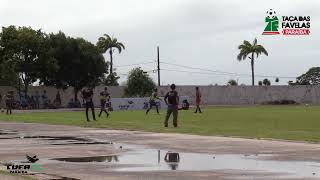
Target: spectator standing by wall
[(9, 101), (44, 98), (23, 99), (37, 100), (57, 100)]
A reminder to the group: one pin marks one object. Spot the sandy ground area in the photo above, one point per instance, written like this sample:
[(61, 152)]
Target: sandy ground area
[(19, 139)]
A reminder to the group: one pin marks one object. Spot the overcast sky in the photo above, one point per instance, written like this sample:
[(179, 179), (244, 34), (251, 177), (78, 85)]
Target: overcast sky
[(199, 33)]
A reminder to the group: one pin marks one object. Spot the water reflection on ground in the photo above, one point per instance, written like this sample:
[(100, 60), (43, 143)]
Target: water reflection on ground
[(141, 159)]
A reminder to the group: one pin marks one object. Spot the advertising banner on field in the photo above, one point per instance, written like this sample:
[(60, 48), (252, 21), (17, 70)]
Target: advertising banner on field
[(138, 103)]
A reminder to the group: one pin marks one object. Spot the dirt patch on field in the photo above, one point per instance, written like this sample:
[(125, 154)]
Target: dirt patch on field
[(88, 153)]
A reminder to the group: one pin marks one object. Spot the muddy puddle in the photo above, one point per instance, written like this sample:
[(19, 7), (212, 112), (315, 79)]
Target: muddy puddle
[(65, 140), (7, 132), (65, 178), (112, 158), (140, 159), (54, 140)]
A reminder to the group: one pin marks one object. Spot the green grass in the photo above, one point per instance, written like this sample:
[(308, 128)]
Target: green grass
[(279, 122)]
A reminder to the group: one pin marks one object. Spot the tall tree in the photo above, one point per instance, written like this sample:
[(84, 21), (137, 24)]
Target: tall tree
[(266, 82), (247, 49), (80, 63), (311, 77), (111, 80), (139, 84), (8, 76), (108, 43), (232, 82), (26, 51)]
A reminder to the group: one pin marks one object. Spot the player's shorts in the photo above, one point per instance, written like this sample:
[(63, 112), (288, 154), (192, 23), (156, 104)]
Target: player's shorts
[(9, 103), (153, 103), (102, 103)]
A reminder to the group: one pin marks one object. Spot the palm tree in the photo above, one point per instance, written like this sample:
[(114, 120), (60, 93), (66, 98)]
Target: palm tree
[(250, 49), (106, 43)]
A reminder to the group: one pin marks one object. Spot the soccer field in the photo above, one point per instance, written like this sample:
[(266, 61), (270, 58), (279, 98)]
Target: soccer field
[(280, 122)]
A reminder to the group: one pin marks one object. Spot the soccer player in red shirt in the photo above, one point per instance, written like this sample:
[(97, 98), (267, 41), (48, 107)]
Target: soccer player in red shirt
[(198, 100)]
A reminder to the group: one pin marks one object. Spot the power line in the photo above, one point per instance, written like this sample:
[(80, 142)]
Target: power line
[(207, 71), (191, 72), (148, 71), (136, 64), (194, 72), (216, 72), (203, 73)]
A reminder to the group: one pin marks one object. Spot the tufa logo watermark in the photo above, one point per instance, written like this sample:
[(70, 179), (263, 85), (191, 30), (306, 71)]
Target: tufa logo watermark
[(24, 167), (291, 25)]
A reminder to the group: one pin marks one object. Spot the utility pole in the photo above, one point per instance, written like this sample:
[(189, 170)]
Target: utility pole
[(158, 65)]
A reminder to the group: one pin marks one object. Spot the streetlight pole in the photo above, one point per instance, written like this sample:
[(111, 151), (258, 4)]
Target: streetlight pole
[(158, 65)]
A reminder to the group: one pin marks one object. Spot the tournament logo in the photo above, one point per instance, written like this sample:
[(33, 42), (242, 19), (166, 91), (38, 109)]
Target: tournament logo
[(272, 23), (291, 25)]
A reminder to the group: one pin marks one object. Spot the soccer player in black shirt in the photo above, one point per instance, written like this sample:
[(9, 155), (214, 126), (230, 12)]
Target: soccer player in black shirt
[(87, 95), (172, 100)]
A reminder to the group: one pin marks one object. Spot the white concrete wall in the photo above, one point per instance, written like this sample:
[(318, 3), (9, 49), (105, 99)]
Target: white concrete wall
[(241, 95), (212, 95)]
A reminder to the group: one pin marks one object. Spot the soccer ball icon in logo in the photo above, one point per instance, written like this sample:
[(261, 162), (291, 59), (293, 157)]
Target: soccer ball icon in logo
[(271, 14)]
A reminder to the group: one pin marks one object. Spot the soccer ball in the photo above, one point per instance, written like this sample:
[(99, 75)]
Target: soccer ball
[(271, 14)]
